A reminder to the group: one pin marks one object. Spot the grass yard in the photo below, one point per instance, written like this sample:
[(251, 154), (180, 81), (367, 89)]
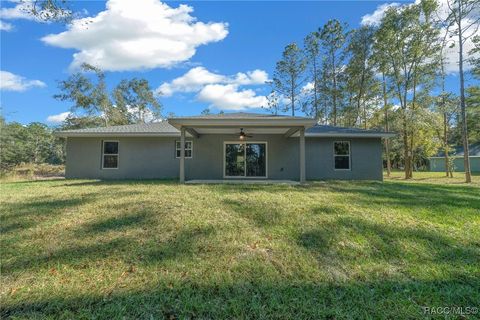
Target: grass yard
[(156, 249)]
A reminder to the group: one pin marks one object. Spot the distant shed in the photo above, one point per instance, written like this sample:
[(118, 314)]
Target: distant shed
[(437, 163)]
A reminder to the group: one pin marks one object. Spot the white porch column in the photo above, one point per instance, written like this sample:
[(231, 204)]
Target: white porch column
[(302, 155), (182, 155)]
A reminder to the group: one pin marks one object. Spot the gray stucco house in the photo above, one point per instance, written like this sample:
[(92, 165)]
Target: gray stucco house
[(225, 146)]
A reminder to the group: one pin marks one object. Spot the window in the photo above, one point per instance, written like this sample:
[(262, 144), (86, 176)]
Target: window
[(110, 155), (341, 155), (188, 149)]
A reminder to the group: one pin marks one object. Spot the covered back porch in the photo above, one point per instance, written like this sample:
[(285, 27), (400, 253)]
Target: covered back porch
[(245, 151)]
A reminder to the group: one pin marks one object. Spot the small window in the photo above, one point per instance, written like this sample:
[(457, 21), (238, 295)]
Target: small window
[(188, 149), (110, 155), (341, 154)]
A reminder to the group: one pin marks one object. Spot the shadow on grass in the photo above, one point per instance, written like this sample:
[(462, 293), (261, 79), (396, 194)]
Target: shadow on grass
[(22, 215), (387, 243), (262, 214), (268, 299), (116, 223), (183, 244)]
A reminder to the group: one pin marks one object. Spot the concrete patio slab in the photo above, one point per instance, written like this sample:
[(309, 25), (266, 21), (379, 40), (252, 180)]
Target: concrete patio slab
[(243, 181)]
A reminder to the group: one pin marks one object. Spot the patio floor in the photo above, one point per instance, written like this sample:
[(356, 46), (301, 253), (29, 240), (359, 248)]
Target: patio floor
[(243, 181)]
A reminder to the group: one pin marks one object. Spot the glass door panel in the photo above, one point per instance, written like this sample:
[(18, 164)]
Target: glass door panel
[(255, 160), (235, 160)]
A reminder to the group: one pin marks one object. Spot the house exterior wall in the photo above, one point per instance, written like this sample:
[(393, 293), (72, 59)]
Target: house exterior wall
[(438, 164), (154, 158)]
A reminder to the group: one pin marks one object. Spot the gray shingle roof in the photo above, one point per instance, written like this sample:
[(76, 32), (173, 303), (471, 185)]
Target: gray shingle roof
[(162, 127), (240, 115)]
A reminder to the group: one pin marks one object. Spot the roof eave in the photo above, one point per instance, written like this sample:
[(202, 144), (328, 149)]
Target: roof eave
[(351, 135)]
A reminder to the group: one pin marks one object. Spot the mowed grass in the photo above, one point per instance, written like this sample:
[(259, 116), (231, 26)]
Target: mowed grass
[(157, 249)]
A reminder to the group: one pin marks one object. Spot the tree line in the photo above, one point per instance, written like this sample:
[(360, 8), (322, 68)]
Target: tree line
[(390, 76)]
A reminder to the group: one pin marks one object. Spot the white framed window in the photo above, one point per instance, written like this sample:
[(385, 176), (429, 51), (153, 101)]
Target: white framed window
[(188, 149), (341, 155), (110, 154)]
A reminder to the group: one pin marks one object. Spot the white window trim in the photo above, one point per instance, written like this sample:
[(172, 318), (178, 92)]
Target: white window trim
[(349, 155), (191, 143), (245, 150), (110, 154)]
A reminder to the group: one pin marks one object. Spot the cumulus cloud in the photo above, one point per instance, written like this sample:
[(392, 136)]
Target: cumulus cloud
[(133, 35), (230, 97), (375, 17), (13, 82), (5, 26), (21, 10), (196, 78), (220, 91), (191, 81), (58, 118)]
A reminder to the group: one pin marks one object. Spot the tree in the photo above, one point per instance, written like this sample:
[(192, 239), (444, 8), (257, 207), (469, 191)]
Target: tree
[(49, 10), (463, 18), (33, 143), (137, 98), (273, 104), (408, 38), (87, 97), (333, 38), (313, 64), (360, 73), (446, 105), (288, 75)]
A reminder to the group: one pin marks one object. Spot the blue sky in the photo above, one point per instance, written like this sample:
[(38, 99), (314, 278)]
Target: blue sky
[(242, 37)]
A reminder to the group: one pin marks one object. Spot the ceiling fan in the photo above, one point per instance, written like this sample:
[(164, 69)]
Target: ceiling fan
[(243, 135)]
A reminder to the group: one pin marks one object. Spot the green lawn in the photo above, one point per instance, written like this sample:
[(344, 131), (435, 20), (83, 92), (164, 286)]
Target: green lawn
[(156, 249)]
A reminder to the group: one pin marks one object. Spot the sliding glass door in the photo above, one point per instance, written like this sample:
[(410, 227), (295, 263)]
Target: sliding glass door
[(245, 159)]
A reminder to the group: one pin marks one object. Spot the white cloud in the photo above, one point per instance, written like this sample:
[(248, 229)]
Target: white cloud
[(5, 26), (196, 78), (375, 17), (221, 91), (250, 78), (191, 81), (141, 34), (229, 97), (13, 82), (58, 118), (21, 10)]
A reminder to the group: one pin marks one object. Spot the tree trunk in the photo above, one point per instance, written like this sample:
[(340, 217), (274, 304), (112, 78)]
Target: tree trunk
[(406, 152), (466, 153), (315, 97), (387, 142), (445, 143), (292, 96), (334, 90)]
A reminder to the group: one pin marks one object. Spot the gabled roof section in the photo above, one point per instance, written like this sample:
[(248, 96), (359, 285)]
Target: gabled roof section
[(240, 115), (333, 131), (241, 119), (162, 128)]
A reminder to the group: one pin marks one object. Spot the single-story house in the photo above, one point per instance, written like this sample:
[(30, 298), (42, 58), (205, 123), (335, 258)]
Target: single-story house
[(437, 163), (225, 146)]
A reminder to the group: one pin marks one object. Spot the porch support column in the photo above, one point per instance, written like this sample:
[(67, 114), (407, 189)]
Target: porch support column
[(182, 155), (302, 155)]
